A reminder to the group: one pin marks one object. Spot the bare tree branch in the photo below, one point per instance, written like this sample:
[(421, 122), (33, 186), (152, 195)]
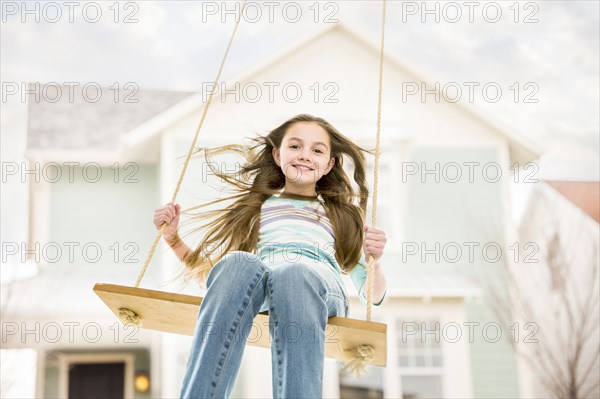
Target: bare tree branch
[(562, 301)]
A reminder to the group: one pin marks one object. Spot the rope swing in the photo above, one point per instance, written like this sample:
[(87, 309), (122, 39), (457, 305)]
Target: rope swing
[(360, 342), (361, 356)]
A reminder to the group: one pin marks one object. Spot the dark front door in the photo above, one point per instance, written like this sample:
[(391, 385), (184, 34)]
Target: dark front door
[(97, 380)]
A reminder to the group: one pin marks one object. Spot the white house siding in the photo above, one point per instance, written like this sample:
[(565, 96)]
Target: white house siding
[(116, 209), (462, 212), (84, 213)]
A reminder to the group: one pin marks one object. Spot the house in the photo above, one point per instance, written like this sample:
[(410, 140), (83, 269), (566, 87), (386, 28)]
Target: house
[(441, 202)]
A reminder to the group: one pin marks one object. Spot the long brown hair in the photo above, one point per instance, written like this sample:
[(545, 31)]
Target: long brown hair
[(235, 227)]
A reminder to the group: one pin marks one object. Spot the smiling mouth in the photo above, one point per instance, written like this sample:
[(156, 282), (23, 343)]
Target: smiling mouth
[(301, 167)]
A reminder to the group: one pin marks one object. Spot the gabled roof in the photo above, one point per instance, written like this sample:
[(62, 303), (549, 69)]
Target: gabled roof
[(521, 149), (136, 130), (77, 123)]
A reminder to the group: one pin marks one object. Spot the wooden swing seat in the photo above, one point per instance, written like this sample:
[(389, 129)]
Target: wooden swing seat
[(177, 313)]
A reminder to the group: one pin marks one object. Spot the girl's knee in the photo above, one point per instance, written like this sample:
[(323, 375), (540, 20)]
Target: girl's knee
[(236, 263), (301, 270), (297, 275), (292, 270)]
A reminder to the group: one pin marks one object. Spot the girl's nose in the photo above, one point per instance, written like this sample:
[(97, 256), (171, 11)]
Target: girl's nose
[(305, 155)]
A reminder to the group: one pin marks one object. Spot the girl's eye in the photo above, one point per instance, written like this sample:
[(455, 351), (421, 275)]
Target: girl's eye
[(297, 146)]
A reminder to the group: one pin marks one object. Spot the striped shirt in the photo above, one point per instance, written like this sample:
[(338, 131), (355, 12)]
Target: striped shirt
[(293, 228)]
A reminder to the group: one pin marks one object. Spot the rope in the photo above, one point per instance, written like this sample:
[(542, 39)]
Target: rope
[(371, 260), (128, 316), (357, 358), (191, 150)]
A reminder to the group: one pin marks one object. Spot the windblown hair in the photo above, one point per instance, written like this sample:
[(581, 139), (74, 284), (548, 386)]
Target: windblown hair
[(236, 227)]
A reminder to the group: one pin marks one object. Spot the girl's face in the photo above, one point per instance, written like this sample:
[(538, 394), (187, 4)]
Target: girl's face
[(304, 157)]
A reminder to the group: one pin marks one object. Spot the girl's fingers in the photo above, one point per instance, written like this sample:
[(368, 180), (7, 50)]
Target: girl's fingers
[(165, 218), (176, 209), (375, 243), (161, 216), (166, 214), (373, 235), (161, 211), (375, 240), (169, 210)]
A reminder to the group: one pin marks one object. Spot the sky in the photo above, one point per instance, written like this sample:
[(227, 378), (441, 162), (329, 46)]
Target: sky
[(549, 49), (177, 45)]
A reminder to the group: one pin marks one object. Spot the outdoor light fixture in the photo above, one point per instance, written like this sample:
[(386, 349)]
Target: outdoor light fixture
[(142, 382)]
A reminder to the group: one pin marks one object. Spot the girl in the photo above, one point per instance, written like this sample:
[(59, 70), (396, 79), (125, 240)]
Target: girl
[(283, 252)]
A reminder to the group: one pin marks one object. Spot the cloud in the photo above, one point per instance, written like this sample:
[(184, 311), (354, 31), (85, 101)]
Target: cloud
[(151, 15), (174, 47)]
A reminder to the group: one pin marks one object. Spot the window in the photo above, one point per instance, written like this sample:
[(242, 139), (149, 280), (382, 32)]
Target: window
[(419, 344), (420, 359)]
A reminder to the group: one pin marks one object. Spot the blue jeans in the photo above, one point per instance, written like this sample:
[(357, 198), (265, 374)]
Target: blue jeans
[(299, 297)]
